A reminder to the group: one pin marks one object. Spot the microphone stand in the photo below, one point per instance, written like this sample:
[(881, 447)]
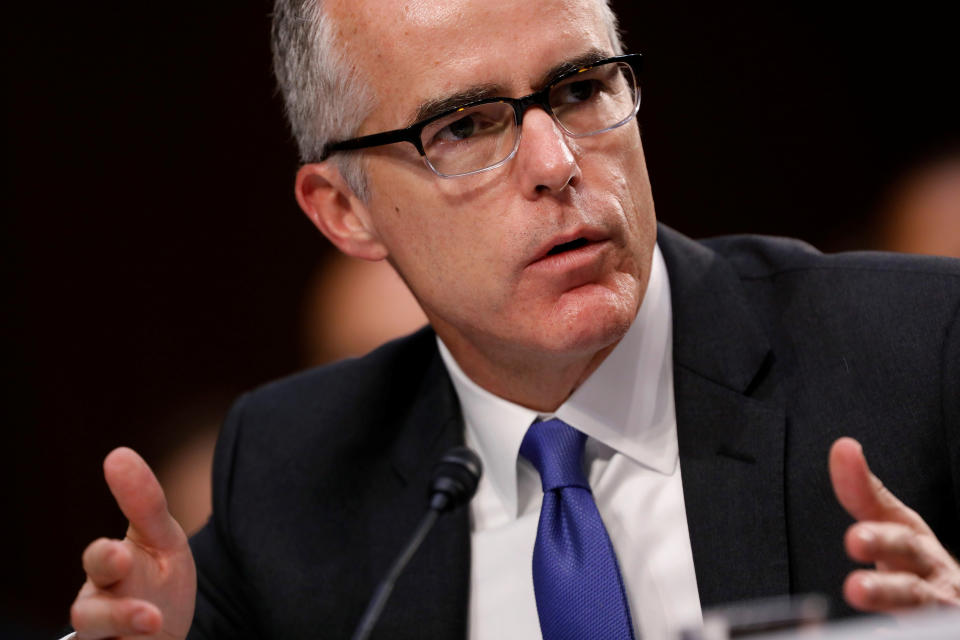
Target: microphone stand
[(385, 588), (454, 482)]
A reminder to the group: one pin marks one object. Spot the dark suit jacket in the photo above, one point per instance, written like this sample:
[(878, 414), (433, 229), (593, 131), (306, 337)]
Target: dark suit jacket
[(778, 350)]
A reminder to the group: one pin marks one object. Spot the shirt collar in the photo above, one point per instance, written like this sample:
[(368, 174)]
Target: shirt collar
[(627, 403)]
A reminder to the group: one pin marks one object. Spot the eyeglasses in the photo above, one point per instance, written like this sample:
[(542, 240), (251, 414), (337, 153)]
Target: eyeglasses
[(485, 134)]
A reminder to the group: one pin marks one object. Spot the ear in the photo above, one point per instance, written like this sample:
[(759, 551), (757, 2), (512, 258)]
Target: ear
[(335, 210)]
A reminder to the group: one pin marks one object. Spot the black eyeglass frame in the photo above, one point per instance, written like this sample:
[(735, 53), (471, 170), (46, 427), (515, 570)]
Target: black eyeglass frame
[(539, 98)]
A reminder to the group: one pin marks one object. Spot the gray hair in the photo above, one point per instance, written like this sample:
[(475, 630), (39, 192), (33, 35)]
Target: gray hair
[(325, 97)]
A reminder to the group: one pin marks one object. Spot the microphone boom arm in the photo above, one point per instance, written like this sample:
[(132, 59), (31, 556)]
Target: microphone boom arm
[(455, 479)]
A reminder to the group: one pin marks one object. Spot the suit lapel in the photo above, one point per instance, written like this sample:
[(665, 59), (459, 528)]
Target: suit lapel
[(431, 597), (730, 427)]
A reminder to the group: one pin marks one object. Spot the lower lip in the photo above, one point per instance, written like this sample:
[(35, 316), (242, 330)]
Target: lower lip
[(584, 256)]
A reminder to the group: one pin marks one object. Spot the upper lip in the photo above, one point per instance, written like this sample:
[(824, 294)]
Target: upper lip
[(586, 233)]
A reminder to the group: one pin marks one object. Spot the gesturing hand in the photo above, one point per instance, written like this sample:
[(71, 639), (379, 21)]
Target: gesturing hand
[(912, 567), (144, 585)]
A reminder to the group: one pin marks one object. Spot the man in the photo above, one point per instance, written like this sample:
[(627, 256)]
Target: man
[(538, 262)]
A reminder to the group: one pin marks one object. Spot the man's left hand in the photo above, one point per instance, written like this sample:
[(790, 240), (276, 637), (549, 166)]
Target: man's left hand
[(912, 568)]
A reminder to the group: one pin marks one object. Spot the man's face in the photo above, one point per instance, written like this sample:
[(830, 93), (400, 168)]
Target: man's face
[(473, 248)]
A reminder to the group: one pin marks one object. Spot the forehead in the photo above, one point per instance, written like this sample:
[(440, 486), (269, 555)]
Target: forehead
[(412, 50)]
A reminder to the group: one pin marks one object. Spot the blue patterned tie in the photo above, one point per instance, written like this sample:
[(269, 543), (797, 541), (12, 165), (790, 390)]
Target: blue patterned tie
[(576, 580)]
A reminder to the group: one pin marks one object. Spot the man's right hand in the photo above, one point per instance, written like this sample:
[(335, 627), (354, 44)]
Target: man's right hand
[(145, 585)]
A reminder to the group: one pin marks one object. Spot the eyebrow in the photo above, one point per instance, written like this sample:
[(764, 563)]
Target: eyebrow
[(436, 106), (582, 60), (442, 104)]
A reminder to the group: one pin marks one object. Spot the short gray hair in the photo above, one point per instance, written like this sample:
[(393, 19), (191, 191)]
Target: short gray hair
[(326, 99)]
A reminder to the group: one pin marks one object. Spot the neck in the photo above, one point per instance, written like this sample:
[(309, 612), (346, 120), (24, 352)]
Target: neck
[(536, 381)]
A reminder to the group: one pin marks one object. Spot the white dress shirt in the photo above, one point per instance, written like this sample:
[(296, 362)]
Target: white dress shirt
[(626, 408)]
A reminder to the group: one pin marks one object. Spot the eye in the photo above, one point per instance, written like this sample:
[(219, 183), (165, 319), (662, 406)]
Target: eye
[(577, 91), (469, 126), (459, 129), (589, 87)]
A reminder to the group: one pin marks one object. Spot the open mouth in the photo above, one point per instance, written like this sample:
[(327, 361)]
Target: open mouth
[(568, 246)]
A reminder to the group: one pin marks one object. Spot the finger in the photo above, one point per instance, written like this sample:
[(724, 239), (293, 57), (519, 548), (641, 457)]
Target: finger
[(140, 497), (897, 547), (106, 562), (876, 591), (861, 493), (104, 616)]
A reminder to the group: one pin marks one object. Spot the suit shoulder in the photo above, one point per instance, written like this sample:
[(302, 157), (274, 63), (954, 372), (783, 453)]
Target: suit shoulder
[(394, 364), (879, 297), (761, 257), (319, 402)]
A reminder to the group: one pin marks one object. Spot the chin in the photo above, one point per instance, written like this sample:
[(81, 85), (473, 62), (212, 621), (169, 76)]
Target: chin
[(589, 319)]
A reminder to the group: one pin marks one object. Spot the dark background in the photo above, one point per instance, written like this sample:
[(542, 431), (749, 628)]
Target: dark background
[(155, 256)]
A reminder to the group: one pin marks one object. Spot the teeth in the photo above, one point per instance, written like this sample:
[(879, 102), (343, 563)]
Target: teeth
[(567, 246)]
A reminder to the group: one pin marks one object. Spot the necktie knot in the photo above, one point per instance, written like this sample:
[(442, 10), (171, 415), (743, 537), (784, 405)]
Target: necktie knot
[(556, 450)]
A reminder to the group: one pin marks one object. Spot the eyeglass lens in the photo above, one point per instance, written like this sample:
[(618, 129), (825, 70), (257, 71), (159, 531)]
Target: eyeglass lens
[(479, 137)]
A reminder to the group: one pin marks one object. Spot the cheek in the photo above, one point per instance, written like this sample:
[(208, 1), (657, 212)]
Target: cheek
[(438, 231), (629, 180), (449, 261)]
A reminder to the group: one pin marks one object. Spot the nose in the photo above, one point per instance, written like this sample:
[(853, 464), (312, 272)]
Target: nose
[(545, 163)]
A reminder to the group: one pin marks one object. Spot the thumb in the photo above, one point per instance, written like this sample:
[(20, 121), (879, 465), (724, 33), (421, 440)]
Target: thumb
[(861, 493), (141, 499)]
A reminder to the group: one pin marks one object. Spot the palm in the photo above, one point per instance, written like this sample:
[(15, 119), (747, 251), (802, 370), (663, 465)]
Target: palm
[(165, 577), (145, 585)]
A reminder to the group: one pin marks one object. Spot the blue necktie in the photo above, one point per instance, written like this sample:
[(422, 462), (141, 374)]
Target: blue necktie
[(577, 583)]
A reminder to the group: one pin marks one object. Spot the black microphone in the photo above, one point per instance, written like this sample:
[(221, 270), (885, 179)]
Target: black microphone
[(454, 481)]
